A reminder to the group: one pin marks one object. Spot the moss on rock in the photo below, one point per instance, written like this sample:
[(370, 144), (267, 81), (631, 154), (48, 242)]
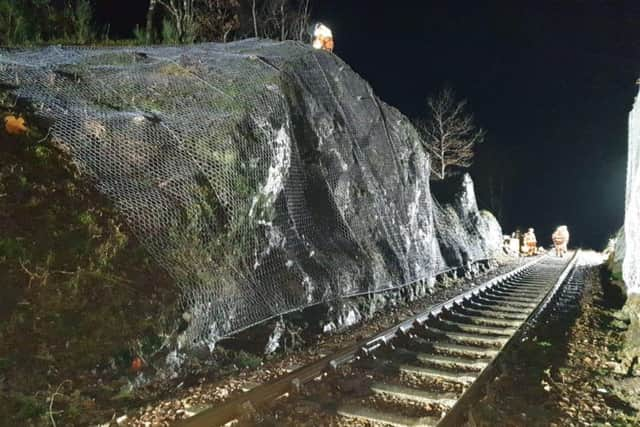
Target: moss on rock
[(79, 297)]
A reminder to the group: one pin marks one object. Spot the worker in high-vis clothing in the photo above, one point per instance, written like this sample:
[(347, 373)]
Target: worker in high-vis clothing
[(529, 243), (322, 37), (560, 239)]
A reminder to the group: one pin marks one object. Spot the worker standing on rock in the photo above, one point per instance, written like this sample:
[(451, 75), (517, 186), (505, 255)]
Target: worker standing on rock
[(560, 239), (322, 37), (529, 243)]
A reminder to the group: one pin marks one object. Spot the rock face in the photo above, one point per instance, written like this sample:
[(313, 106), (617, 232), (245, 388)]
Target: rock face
[(631, 263), (264, 177), (464, 233), (628, 246)]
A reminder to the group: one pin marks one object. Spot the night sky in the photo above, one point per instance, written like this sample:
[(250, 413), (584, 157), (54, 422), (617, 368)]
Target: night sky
[(552, 83)]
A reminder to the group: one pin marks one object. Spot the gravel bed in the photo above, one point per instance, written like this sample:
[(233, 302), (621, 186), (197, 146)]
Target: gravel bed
[(181, 402)]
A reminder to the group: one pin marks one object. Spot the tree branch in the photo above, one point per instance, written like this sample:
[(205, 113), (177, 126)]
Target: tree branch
[(449, 132)]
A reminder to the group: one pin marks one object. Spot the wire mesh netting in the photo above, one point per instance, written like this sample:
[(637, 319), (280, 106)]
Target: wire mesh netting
[(263, 176), (464, 233), (631, 263)]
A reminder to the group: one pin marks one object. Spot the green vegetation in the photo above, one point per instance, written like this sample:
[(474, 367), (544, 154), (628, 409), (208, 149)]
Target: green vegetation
[(616, 275), (81, 17), (169, 33), (243, 359), (37, 22), (26, 22), (79, 297)]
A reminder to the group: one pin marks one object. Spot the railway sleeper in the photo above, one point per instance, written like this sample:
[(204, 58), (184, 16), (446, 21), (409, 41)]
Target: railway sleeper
[(464, 350), (519, 300), (521, 293), (534, 277), (525, 288), (517, 295), (418, 375), (509, 302), (429, 356), (529, 282), (501, 304), (526, 282), (496, 306), (476, 329), (399, 391), (483, 311), (464, 378), (378, 417), (453, 362), (480, 320), (467, 338)]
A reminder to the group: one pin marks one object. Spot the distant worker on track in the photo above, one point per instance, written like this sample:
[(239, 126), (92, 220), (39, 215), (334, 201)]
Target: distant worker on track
[(322, 37), (529, 243), (560, 239)]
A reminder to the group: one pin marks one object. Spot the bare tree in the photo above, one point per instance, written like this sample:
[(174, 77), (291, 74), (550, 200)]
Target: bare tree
[(449, 133), (218, 19), (224, 20), (304, 20), (150, 14), (254, 15), (183, 17), (281, 19)]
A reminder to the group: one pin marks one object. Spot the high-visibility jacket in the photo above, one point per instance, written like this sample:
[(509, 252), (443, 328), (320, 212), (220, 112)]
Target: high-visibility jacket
[(560, 237), (322, 38), (530, 239)]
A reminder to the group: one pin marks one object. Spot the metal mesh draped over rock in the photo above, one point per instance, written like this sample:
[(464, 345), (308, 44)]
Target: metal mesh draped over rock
[(263, 176), (631, 263), (464, 233)]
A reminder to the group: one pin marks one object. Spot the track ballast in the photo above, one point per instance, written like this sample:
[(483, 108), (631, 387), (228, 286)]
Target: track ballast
[(421, 372)]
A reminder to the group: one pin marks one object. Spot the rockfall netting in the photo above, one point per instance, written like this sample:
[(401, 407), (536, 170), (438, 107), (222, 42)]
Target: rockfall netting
[(263, 176), (631, 263), (464, 233)]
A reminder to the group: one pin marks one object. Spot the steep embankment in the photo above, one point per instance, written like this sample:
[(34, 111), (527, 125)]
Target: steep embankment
[(79, 297), (262, 177), (627, 251)]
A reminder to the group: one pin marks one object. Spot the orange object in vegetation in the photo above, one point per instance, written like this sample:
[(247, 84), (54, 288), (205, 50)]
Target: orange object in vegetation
[(137, 364), (14, 125)]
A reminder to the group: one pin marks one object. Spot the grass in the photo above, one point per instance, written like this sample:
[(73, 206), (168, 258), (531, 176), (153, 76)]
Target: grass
[(76, 281), (243, 359), (78, 290)]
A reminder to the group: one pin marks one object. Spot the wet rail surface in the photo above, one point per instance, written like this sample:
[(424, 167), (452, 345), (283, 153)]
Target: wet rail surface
[(423, 371)]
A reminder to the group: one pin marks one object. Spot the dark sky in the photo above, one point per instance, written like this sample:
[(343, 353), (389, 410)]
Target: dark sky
[(552, 82)]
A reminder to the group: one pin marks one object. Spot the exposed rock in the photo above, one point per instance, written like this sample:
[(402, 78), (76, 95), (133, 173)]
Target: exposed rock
[(274, 339), (173, 363), (631, 262), (464, 233), (341, 315), (630, 352), (264, 177), (625, 258), (616, 253)]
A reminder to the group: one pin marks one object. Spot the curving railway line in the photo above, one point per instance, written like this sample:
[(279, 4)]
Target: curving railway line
[(422, 371)]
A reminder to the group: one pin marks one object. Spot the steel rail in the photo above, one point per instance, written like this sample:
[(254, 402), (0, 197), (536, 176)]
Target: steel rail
[(456, 415), (262, 395)]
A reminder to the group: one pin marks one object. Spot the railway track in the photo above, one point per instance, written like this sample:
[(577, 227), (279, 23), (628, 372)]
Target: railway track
[(421, 372)]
